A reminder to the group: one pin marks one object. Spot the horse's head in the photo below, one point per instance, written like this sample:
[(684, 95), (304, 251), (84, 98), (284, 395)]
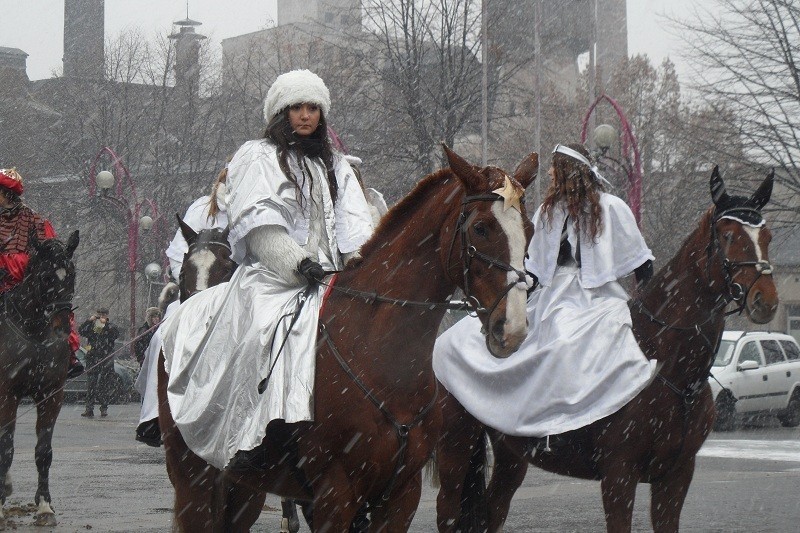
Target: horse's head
[(49, 281), (488, 248), (207, 262), (739, 240)]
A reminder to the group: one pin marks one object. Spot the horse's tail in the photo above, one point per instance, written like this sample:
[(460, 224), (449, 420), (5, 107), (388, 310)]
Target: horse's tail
[(474, 505), (169, 294)]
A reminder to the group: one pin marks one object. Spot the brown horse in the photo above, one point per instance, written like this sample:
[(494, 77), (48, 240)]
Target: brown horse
[(34, 356), (677, 320), (375, 423)]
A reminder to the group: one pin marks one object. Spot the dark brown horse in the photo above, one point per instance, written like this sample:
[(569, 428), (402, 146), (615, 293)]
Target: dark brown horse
[(34, 356), (375, 418), (677, 320), (207, 262)]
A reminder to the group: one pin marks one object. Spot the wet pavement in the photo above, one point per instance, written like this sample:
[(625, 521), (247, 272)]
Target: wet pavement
[(102, 480)]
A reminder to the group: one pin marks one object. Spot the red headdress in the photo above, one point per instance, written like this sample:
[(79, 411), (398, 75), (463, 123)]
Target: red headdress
[(10, 178)]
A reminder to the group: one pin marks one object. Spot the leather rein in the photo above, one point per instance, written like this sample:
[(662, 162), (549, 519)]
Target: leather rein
[(734, 292), (468, 253)]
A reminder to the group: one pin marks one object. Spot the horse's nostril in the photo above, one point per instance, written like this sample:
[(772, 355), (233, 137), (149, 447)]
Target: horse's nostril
[(498, 329)]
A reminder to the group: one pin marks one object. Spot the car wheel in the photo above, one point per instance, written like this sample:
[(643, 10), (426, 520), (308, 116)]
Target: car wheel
[(791, 418), (726, 412)]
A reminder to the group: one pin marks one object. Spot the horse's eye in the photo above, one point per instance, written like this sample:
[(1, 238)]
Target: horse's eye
[(480, 229), (728, 236)]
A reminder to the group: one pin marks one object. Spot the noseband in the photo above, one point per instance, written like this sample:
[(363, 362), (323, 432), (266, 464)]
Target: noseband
[(735, 292), (470, 252)]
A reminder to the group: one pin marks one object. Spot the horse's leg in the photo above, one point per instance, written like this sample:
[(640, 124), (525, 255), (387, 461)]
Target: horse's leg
[(395, 515), (667, 496), (192, 478), (8, 421), (618, 486), (508, 474), (460, 440), (243, 506), (334, 501), (290, 522), (47, 412)]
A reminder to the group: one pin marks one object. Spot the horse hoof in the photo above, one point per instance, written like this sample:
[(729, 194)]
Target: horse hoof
[(45, 519)]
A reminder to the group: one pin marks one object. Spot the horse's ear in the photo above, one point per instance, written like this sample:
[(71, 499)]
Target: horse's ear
[(188, 233), (527, 170), (719, 194), (764, 191), (471, 179), (72, 243)]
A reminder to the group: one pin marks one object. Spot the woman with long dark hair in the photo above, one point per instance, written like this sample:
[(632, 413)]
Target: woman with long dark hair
[(580, 361), (243, 353)]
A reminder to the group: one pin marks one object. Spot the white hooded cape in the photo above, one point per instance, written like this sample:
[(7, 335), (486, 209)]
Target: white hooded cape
[(580, 361), (221, 343)]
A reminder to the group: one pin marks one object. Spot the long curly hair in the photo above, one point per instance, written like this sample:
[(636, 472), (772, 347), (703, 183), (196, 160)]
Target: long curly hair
[(575, 185), (318, 144)]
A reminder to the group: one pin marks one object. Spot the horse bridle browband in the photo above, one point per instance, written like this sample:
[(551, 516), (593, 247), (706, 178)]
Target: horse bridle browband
[(736, 292), (468, 253)]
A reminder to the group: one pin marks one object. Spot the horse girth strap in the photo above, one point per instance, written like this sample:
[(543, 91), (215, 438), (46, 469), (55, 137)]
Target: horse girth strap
[(402, 429)]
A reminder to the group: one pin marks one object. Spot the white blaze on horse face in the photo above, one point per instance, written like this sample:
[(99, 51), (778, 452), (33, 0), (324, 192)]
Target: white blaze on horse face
[(753, 233), (511, 222), (61, 274), (202, 261)]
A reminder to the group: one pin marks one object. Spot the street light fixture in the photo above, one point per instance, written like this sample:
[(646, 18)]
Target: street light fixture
[(131, 207), (604, 137)]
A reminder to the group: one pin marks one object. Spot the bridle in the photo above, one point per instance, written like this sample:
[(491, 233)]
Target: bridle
[(735, 292), (468, 253), (210, 244)]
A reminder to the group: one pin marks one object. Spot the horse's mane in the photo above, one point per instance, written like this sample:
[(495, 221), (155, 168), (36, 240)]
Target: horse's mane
[(49, 249), (683, 255), (398, 214)]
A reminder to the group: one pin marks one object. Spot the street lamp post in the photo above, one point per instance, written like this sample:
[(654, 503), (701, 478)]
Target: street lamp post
[(604, 137), (131, 207)]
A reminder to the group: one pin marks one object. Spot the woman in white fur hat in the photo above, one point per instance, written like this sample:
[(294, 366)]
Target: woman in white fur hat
[(295, 211)]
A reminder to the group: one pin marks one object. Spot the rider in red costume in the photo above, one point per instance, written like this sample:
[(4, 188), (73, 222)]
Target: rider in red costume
[(17, 220)]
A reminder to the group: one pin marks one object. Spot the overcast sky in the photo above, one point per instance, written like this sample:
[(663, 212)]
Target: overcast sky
[(37, 26)]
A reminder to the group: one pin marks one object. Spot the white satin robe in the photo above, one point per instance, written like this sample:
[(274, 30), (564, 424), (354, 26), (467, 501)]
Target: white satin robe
[(580, 361)]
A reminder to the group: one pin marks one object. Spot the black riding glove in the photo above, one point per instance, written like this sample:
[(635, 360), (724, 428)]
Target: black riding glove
[(643, 273), (311, 270)]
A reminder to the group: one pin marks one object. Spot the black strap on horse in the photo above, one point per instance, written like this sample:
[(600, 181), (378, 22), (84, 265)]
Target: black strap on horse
[(402, 430), (468, 253), (262, 386)]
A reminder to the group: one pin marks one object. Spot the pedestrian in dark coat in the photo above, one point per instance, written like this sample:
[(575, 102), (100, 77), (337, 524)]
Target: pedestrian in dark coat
[(102, 335)]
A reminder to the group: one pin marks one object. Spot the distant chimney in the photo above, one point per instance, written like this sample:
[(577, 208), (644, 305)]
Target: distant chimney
[(187, 53), (84, 34)]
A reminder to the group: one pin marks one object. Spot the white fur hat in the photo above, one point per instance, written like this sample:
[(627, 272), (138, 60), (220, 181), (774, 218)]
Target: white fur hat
[(296, 87)]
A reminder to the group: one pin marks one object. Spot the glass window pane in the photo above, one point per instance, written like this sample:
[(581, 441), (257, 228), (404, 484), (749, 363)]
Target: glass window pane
[(724, 353), (750, 353), (772, 352), (791, 349)]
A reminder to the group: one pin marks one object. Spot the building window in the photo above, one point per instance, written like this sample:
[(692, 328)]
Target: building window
[(793, 321)]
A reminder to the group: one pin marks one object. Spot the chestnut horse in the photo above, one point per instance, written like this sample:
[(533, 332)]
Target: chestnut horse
[(376, 420), (677, 320), (34, 356)]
